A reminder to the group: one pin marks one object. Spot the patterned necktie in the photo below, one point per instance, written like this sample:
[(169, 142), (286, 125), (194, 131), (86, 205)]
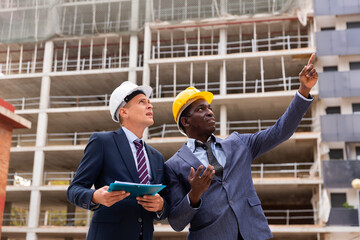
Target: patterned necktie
[(212, 159), (141, 163)]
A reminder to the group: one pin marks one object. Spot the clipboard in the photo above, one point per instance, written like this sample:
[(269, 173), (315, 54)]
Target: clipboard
[(136, 189)]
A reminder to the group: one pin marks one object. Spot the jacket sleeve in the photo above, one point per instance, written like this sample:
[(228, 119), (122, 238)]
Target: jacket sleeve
[(181, 213), (79, 192), (282, 130)]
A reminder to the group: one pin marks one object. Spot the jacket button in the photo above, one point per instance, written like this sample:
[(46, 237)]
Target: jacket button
[(139, 220)]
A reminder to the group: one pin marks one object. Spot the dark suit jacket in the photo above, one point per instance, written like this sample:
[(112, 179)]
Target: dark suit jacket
[(107, 158), (230, 204)]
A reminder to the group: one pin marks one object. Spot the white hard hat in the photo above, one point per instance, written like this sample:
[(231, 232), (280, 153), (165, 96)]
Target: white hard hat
[(117, 99)]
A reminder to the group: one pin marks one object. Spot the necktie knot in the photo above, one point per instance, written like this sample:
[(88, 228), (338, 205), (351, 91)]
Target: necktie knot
[(138, 144)]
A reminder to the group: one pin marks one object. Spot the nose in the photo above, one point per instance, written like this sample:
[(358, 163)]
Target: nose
[(150, 106), (210, 113)]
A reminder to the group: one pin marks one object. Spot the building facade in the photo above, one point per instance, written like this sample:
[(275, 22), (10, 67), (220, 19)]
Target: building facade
[(61, 59)]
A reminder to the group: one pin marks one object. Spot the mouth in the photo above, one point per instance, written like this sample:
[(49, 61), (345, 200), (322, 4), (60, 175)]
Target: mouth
[(211, 120), (149, 114)]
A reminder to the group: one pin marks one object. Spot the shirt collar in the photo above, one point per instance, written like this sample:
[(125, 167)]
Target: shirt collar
[(130, 135), (191, 142)]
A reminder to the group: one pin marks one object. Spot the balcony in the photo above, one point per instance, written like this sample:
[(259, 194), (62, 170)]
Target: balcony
[(336, 7), (184, 10), (343, 42), (340, 173), (338, 128), (343, 217), (339, 84)]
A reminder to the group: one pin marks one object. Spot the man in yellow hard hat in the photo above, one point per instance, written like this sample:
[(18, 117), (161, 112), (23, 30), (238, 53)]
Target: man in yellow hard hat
[(220, 202)]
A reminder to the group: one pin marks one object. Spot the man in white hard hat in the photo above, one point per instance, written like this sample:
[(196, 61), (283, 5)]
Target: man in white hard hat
[(209, 179), (121, 155)]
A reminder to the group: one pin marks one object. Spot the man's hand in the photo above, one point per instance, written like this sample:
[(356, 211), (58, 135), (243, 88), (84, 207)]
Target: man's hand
[(151, 203), (199, 184), (308, 77), (106, 198)]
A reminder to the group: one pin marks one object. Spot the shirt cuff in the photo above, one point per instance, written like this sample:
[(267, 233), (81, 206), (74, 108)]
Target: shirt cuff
[(187, 196), (94, 206), (160, 213), (309, 98)]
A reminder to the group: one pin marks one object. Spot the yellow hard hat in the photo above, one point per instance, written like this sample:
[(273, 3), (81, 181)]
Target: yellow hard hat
[(185, 98)]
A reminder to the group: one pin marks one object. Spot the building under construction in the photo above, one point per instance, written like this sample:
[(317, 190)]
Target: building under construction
[(61, 59)]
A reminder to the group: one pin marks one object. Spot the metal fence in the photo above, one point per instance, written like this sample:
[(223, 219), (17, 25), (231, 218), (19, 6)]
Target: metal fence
[(232, 87), (61, 218), (49, 178), (73, 139), (254, 45), (252, 126), (290, 170), (15, 219)]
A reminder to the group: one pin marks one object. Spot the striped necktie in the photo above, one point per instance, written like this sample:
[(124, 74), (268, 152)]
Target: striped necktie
[(211, 158), (141, 162)]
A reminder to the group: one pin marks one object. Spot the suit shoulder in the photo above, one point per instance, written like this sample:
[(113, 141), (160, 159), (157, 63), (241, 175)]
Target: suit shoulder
[(174, 160)]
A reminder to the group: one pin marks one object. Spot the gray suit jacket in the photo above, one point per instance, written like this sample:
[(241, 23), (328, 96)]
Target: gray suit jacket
[(230, 205)]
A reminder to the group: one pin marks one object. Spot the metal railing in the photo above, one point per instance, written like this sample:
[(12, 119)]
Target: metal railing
[(252, 126), (19, 179), (96, 63), (250, 86), (292, 170), (71, 139), (98, 27), (166, 90), (61, 101), (15, 219), (255, 6), (185, 50), (184, 13), (268, 44), (26, 67), (61, 218), (254, 45), (49, 178), (289, 217), (79, 101)]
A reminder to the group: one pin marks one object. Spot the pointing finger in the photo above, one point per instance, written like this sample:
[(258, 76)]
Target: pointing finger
[(311, 59)]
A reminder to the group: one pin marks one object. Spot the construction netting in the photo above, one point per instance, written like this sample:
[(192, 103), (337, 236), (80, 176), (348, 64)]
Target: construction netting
[(37, 20)]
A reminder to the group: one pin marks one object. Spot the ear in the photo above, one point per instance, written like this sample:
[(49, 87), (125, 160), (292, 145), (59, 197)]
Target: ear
[(184, 121), (123, 113)]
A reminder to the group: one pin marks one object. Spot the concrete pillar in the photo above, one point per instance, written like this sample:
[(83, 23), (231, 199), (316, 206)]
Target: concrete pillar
[(70, 210), (133, 51), (39, 156), (8, 121), (148, 11), (147, 53), (222, 51), (223, 121)]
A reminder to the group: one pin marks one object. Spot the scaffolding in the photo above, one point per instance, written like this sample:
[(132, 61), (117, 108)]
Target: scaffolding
[(38, 20)]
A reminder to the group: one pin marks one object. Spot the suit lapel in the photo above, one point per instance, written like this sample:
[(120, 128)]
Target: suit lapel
[(227, 151), (126, 154), (153, 163), (185, 154)]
